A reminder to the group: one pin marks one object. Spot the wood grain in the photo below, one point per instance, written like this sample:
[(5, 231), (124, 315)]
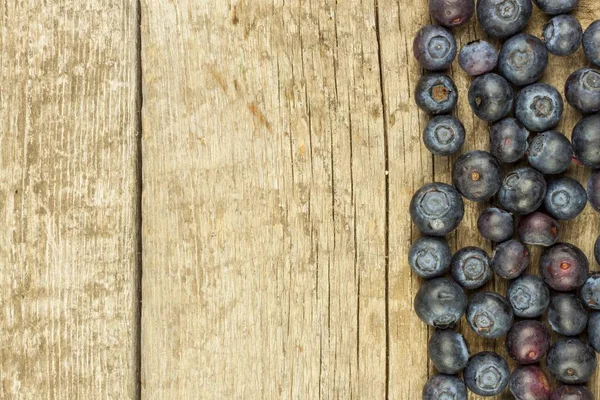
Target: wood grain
[(68, 126), (281, 148)]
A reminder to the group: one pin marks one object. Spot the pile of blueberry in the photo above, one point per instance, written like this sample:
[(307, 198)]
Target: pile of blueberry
[(529, 201)]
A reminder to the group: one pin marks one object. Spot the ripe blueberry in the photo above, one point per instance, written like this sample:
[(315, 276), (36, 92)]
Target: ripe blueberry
[(523, 59), (478, 57), (434, 48), (591, 43), (590, 292), (567, 314), (571, 392), (452, 13), (444, 135), (529, 382), (571, 361), (593, 192), (489, 315), (555, 7), (491, 97), (586, 141), (510, 259), (508, 140), (448, 351), (441, 386), (594, 330), (582, 90), (470, 267), (529, 296), (565, 198), (487, 374), (503, 18), (522, 191), (440, 302), (437, 209), (564, 267), (436, 94), (528, 341), (538, 229), (550, 152), (539, 107), (429, 257), (477, 175), (496, 225), (562, 35)]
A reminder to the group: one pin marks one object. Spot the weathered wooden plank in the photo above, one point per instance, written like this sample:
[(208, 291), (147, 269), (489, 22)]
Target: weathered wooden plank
[(68, 270), (264, 205)]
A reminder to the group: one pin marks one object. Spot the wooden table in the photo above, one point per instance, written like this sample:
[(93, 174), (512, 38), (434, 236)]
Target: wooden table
[(208, 199)]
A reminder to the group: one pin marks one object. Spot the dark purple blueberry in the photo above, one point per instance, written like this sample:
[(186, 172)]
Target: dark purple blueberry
[(522, 191), (477, 175), (564, 267), (452, 13), (440, 302), (528, 341), (582, 90), (550, 152), (593, 192), (591, 43), (478, 57), (510, 259), (436, 94), (565, 198), (508, 140), (594, 330), (590, 292), (529, 296), (470, 267), (539, 107), (571, 361), (538, 229), (529, 382), (586, 141), (523, 59), (487, 374), (489, 315), (448, 351), (434, 48), (555, 7), (429, 257), (496, 225), (440, 387), (444, 135), (571, 392), (503, 18), (562, 35), (491, 97), (567, 314), (437, 209)]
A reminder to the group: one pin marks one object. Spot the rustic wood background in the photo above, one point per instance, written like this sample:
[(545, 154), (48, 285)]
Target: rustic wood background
[(208, 199)]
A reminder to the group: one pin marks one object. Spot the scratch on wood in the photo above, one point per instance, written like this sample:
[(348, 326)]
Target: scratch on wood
[(218, 77), (258, 114)]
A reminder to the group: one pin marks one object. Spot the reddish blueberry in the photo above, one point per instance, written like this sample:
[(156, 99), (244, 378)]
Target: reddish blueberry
[(441, 386), (528, 341), (496, 225), (510, 259), (529, 382), (564, 267), (538, 229), (571, 392), (452, 13), (508, 140)]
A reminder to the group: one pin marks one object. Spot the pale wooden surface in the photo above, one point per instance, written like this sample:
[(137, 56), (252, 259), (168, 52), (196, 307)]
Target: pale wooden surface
[(67, 200)]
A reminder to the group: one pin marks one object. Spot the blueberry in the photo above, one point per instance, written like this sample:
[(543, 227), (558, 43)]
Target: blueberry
[(523, 59), (508, 140), (529, 296), (440, 387), (593, 193), (478, 57), (565, 198), (586, 141), (503, 18), (440, 302), (539, 107), (448, 351), (487, 374), (567, 314), (555, 7), (571, 361), (529, 382), (436, 94), (597, 250), (496, 225), (436, 209), (429, 257), (522, 191), (489, 315), (528, 341), (591, 43), (571, 392), (470, 267), (538, 229), (590, 292), (477, 175), (562, 35), (550, 152), (510, 259), (582, 90), (564, 267), (434, 48), (594, 330), (452, 13), (444, 135), (491, 97)]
